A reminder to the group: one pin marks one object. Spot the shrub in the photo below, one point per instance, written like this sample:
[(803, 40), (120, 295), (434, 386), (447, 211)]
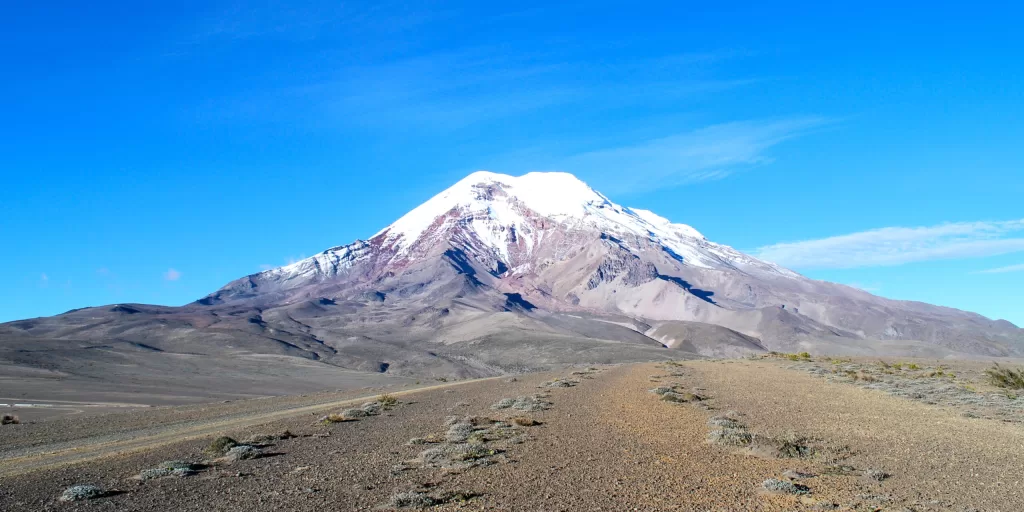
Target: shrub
[(459, 432), (335, 418), (82, 492), (1005, 377), (412, 499), (9, 419), (672, 396), (387, 401), (782, 486), (730, 437), (876, 475), (354, 413), (724, 422), (243, 452), (523, 421), (220, 446), (522, 403), (178, 464), (151, 474)]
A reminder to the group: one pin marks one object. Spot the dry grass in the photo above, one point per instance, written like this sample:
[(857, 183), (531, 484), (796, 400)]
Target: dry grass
[(220, 446), (1005, 377), (9, 419), (523, 421), (336, 418), (387, 401)]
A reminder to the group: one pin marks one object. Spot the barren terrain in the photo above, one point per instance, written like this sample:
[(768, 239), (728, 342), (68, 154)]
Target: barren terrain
[(747, 434)]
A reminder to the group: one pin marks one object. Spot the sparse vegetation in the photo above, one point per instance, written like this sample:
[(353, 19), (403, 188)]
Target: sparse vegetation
[(684, 397), (790, 446), (784, 487), (220, 446), (9, 419), (387, 401), (876, 475), (243, 452), (522, 403), (421, 499), (730, 437), (82, 492), (335, 418), (1005, 378), (524, 421)]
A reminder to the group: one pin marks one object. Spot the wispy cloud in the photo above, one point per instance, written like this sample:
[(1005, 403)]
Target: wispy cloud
[(44, 279), (1002, 270), (708, 153), (899, 245), (172, 275)]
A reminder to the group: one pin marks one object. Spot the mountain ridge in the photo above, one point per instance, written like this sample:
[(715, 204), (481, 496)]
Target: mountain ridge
[(501, 274)]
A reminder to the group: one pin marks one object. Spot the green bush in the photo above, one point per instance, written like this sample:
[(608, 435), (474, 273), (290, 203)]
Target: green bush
[(1005, 377)]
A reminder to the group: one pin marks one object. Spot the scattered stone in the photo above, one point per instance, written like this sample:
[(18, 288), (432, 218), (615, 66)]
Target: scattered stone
[(82, 492)]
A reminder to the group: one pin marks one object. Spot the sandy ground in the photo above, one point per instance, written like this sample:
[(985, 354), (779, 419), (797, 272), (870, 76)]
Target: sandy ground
[(606, 443)]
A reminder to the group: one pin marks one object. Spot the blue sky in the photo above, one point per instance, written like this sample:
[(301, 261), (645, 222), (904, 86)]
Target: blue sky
[(152, 154)]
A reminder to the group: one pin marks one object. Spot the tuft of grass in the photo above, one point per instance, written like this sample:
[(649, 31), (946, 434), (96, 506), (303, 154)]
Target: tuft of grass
[(1005, 378), (335, 418), (387, 400), (523, 421), (9, 419), (220, 446), (802, 356)]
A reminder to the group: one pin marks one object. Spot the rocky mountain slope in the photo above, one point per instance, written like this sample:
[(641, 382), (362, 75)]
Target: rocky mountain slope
[(500, 273)]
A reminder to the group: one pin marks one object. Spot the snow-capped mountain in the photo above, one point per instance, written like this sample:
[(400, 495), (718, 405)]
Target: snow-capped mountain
[(550, 243), (509, 220), (496, 274)]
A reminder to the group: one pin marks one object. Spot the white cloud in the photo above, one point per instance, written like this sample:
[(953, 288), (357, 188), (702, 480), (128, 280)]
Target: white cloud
[(899, 245), (172, 275), (709, 153), (44, 279), (1001, 270)]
